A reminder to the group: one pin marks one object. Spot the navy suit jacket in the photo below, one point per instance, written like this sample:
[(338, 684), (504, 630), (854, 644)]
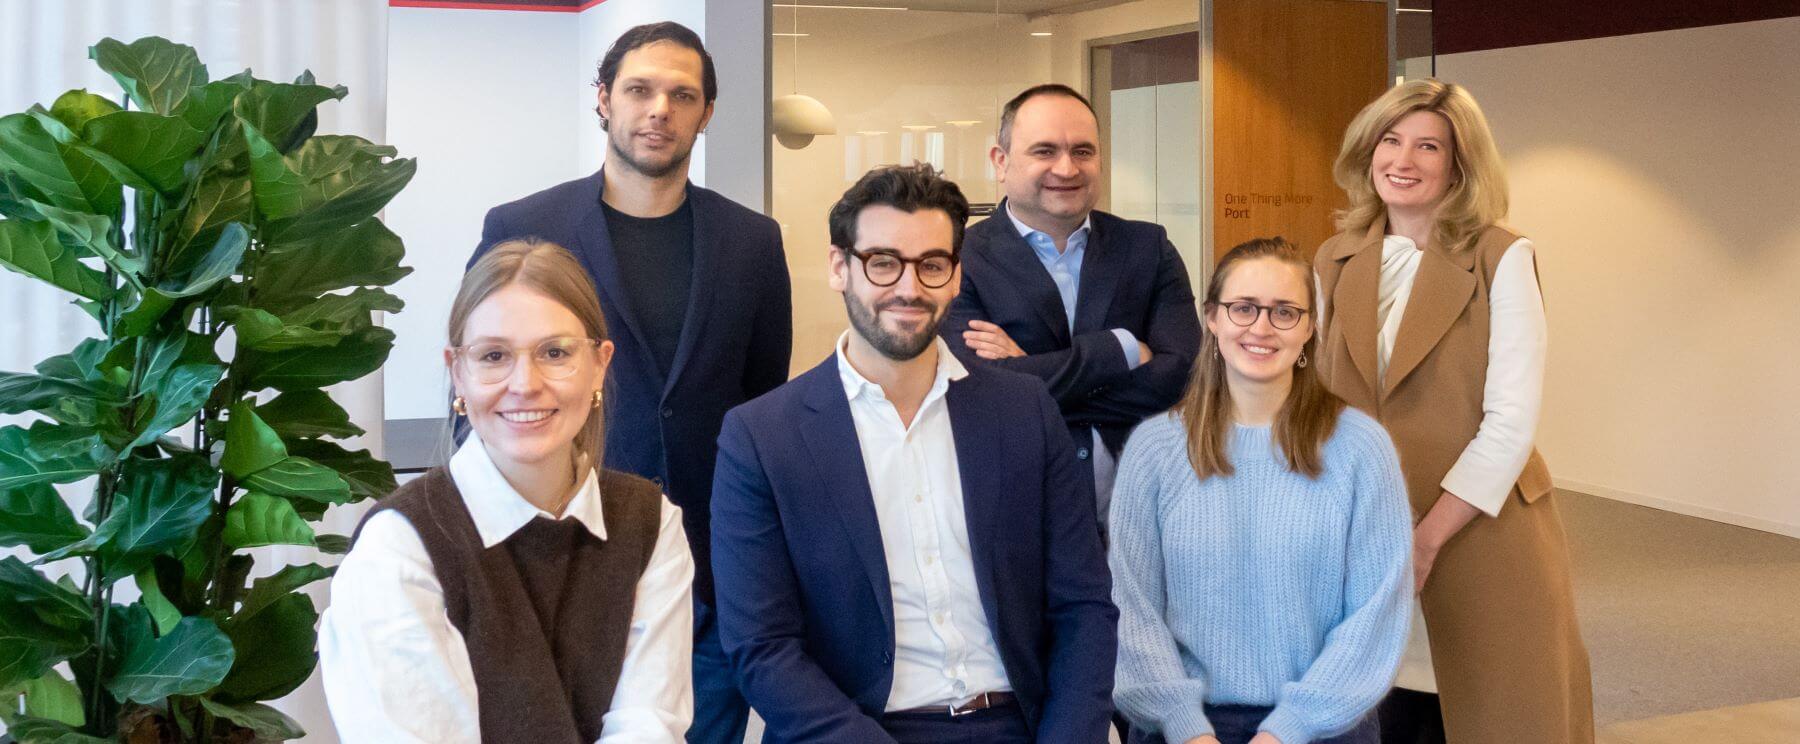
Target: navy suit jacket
[(806, 612), (1131, 278), (735, 343)]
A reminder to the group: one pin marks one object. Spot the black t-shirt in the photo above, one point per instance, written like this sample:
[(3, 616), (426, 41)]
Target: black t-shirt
[(656, 267)]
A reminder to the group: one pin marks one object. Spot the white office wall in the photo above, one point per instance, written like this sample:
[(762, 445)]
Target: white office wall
[(483, 99), (1659, 175)]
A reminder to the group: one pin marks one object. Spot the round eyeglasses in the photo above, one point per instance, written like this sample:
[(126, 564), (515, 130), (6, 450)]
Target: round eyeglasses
[(555, 358), (884, 268), (1245, 313)]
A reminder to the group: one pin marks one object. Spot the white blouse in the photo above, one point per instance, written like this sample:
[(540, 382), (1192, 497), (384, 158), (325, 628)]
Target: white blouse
[(396, 670), (1512, 396)]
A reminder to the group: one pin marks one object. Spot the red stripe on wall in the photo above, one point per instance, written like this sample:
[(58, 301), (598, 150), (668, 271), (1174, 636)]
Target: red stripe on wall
[(566, 7)]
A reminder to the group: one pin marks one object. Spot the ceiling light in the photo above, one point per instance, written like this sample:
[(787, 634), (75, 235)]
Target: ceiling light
[(835, 7), (1043, 33), (788, 35)]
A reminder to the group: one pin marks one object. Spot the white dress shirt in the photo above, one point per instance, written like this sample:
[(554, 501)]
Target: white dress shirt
[(396, 670), (944, 652), (1512, 395)]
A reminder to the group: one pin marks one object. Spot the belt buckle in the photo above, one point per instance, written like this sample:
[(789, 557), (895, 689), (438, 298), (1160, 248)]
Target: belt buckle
[(955, 711)]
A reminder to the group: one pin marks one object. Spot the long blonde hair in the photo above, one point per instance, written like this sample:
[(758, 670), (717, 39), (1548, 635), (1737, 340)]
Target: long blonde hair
[(550, 270), (1308, 416), (1477, 196)]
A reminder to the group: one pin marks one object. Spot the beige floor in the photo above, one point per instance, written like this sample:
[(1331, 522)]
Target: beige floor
[(1775, 722)]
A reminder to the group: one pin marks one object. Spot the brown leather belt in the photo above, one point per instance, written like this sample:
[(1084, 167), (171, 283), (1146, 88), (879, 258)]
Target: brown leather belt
[(983, 701)]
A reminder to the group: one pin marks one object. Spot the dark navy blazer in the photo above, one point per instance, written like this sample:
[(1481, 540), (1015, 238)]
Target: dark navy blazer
[(735, 343), (1131, 278), (805, 608)]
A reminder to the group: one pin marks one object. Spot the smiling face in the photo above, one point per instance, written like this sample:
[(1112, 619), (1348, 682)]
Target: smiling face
[(1414, 163), (655, 107), (1260, 353), (527, 418), (1051, 167), (898, 321)]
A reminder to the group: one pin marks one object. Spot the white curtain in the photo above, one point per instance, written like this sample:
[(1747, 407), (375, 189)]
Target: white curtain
[(43, 52)]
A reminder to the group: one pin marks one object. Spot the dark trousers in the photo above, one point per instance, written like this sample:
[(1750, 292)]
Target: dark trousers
[(1411, 717), (1236, 724), (1003, 724), (720, 712)]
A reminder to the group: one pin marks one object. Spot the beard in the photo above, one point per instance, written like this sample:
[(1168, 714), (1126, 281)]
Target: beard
[(616, 142), (898, 346)]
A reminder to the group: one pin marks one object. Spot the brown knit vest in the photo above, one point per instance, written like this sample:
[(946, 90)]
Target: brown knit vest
[(546, 613)]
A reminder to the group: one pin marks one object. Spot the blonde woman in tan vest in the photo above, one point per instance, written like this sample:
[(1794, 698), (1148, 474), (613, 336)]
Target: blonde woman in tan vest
[(522, 593), (1434, 324)]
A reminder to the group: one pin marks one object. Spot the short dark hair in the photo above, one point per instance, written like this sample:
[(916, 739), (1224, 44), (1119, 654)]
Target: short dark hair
[(1011, 110), (650, 33), (909, 188)]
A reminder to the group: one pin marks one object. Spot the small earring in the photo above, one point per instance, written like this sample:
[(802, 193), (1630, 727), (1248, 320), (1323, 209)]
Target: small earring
[(459, 406), (597, 397), (1303, 360)]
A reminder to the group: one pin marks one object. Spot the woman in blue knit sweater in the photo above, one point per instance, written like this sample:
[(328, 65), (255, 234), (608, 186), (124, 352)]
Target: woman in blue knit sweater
[(1260, 536)]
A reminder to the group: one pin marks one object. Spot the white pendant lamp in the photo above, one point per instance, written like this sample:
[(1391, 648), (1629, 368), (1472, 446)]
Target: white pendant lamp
[(799, 118)]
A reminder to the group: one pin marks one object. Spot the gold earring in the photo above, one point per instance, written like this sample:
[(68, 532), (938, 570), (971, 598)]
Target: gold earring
[(459, 406), (1303, 360), (597, 397)]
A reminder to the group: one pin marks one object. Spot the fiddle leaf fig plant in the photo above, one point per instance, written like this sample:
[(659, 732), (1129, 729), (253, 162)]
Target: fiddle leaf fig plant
[(232, 262)]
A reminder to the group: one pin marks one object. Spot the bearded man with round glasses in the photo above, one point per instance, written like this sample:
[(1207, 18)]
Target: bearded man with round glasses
[(905, 548)]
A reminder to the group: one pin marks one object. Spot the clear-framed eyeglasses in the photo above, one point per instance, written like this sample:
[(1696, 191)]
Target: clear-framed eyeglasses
[(555, 358)]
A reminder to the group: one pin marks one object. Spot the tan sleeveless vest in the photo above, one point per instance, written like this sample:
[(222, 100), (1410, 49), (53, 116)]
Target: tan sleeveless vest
[(1508, 656)]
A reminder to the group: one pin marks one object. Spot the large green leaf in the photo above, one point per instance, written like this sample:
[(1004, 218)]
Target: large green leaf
[(265, 591), (250, 445), (211, 268), (368, 477), (161, 608), (176, 397), (276, 650), (218, 201), (207, 103), (139, 146), (158, 74), (320, 322), (36, 517), (346, 180), (21, 392), (91, 234), (81, 363), (78, 107), (356, 355), (367, 254), (45, 731), (53, 697), (22, 586), (22, 463), (41, 623), (268, 724), (307, 413), (275, 110), (256, 520), (300, 478), (159, 508), (58, 171), (32, 249), (190, 660)]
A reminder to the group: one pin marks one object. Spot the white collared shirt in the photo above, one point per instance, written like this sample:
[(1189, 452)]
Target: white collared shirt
[(396, 670), (944, 651)]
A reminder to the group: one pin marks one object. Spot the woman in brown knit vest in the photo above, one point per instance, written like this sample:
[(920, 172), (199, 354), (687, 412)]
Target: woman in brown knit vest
[(521, 593), (1434, 324)]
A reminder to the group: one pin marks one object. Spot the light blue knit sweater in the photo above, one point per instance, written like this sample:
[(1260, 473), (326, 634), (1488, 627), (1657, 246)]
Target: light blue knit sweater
[(1262, 588)]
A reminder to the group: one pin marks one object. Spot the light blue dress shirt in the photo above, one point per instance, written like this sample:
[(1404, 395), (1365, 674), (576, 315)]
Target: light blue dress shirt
[(1065, 271)]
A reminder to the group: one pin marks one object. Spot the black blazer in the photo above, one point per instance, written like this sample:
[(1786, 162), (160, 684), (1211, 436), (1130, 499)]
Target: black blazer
[(735, 344), (1131, 278), (806, 612)]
